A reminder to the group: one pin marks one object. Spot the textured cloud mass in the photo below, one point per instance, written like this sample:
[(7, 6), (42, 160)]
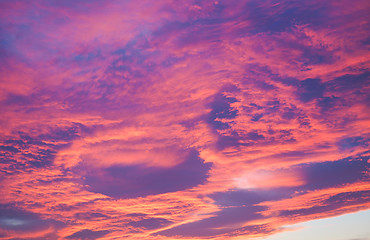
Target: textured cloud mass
[(181, 119)]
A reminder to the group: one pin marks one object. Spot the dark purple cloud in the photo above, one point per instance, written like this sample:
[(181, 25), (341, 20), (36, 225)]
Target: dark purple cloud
[(226, 221), (335, 202), (90, 216), (88, 234), (14, 219), (221, 109), (39, 150), (138, 180), (335, 173), (238, 198), (150, 223), (310, 89), (352, 142), (349, 82)]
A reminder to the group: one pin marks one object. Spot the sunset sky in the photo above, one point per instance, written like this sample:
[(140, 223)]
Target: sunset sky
[(191, 119)]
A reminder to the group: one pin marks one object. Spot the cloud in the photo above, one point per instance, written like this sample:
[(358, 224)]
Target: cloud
[(88, 234), (164, 120), (336, 173), (351, 142), (221, 109), (245, 197), (14, 220), (150, 223), (332, 203), (310, 89), (225, 221), (139, 181)]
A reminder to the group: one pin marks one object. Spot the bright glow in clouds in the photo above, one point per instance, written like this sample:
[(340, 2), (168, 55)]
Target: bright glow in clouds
[(158, 120)]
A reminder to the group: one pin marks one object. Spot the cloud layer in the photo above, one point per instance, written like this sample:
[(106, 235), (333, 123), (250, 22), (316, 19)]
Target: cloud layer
[(167, 120)]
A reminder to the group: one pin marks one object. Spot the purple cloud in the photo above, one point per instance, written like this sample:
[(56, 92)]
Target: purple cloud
[(139, 181)]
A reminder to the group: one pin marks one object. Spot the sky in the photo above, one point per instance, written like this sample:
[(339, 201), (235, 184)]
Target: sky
[(354, 226), (159, 120)]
